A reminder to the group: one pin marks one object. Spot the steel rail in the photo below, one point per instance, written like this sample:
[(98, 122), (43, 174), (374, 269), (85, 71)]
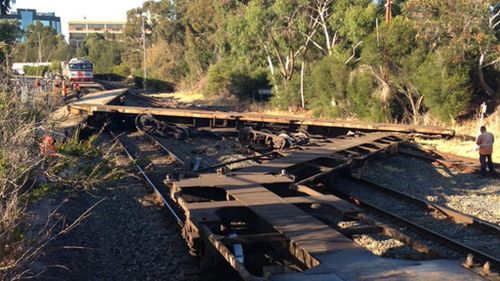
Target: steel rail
[(159, 144), (447, 241), (456, 215), (147, 179)]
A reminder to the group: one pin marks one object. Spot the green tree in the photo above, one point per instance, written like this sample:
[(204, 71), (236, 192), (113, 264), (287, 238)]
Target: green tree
[(165, 61), (105, 54), (43, 44), (328, 87), (445, 87), (353, 20), (232, 77), (360, 94), (4, 6), (9, 31), (468, 31), (341, 54), (385, 56), (276, 34)]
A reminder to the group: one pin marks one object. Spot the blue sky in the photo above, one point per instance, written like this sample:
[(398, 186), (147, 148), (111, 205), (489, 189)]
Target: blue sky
[(78, 9)]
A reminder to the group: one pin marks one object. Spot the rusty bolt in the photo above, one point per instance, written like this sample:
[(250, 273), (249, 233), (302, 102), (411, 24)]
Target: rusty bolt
[(486, 268), (469, 261)]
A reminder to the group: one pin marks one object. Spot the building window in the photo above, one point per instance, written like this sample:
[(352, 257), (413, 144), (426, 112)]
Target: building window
[(96, 26), (78, 26), (26, 19), (115, 26)]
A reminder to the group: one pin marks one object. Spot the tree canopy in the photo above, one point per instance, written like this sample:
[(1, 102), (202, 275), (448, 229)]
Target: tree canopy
[(4, 6), (337, 58), (42, 44)]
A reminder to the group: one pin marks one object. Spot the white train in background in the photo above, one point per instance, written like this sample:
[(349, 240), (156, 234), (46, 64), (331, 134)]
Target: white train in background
[(78, 70)]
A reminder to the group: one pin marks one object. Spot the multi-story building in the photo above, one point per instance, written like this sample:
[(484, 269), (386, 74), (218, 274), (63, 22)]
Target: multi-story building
[(79, 29), (27, 17)]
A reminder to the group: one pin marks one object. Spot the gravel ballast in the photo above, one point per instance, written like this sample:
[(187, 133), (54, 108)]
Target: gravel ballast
[(128, 236), (470, 194)]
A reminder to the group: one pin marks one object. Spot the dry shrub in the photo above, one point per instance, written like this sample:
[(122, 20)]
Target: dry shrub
[(19, 163), (78, 164)]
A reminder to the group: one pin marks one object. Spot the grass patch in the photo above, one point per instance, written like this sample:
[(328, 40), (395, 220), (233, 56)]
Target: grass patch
[(74, 147), (40, 192), (82, 164)]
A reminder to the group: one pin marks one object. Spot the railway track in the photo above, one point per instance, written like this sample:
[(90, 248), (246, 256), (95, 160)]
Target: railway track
[(153, 161), (290, 213), (465, 234)]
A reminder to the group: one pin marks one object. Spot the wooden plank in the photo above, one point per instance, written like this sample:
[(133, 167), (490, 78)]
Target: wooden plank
[(257, 117), (362, 229), (275, 166), (253, 238), (215, 180), (206, 211)]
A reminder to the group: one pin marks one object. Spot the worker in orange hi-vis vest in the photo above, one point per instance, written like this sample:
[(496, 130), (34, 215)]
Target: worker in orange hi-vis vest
[(47, 147), (485, 142), (64, 91), (38, 85), (78, 90)]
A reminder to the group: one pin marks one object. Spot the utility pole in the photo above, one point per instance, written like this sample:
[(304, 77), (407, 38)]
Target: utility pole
[(388, 12), (145, 53), (388, 17)]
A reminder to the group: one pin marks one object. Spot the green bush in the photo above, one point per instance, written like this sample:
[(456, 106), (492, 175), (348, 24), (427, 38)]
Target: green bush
[(121, 70), (228, 77), (328, 93), (40, 192), (4, 161), (55, 66), (154, 84), (109, 76), (362, 102), (81, 164), (35, 70), (287, 95), (76, 148), (218, 80), (445, 88)]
